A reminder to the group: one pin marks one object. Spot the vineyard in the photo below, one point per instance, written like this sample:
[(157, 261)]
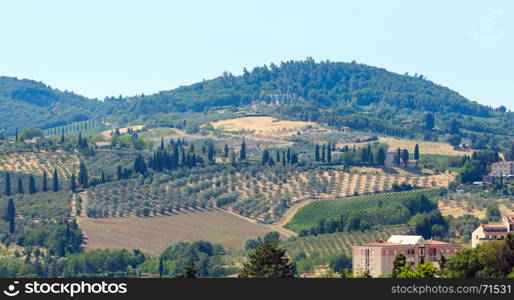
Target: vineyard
[(337, 243), (38, 162), (310, 214), (256, 192)]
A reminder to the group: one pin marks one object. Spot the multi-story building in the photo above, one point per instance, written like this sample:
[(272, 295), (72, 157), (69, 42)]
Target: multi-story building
[(492, 231), (377, 258), (502, 168)]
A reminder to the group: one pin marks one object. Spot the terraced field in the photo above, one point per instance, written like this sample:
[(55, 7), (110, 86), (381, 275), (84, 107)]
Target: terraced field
[(337, 243), (310, 214)]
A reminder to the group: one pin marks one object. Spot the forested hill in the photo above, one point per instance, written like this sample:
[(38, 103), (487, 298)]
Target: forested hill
[(29, 103), (325, 84), (352, 94)]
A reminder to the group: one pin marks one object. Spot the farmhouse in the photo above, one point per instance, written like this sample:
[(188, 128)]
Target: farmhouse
[(102, 145), (391, 159), (492, 231), (502, 168), (377, 258), (38, 140), (5, 142)]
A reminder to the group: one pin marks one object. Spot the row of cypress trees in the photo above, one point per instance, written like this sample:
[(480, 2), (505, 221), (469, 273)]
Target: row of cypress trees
[(32, 188)]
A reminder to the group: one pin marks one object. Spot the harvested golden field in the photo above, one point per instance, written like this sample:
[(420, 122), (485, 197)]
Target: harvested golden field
[(265, 126), (155, 234), (424, 147), (38, 162), (107, 133)]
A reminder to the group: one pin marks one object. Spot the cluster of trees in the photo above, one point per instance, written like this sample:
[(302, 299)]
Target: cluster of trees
[(493, 259), (285, 157), (325, 155), (178, 156), (201, 256), (477, 165)]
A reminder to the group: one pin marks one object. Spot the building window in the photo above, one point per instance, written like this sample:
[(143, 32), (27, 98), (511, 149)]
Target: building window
[(395, 252)]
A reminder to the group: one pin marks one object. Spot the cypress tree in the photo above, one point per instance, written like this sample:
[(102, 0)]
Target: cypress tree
[(162, 144), (211, 153), (55, 180), (73, 184), (32, 185), (316, 153), (271, 162), (265, 157), (7, 184), (416, 152), (329, 152), (20, 185), (119, 173), (161, 267), (381, 156), (323, 153), (11, 214), (103, 176), (405, 156), (242, 153), (44, 183), (83, 177), (225, 151), (397, 157)]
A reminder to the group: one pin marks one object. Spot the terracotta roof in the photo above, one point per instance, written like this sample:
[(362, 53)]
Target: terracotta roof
[(509, 219), (494, 227), (503, 163)]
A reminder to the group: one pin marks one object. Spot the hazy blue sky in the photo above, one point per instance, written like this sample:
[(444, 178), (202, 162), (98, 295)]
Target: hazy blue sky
[(100, 48)]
